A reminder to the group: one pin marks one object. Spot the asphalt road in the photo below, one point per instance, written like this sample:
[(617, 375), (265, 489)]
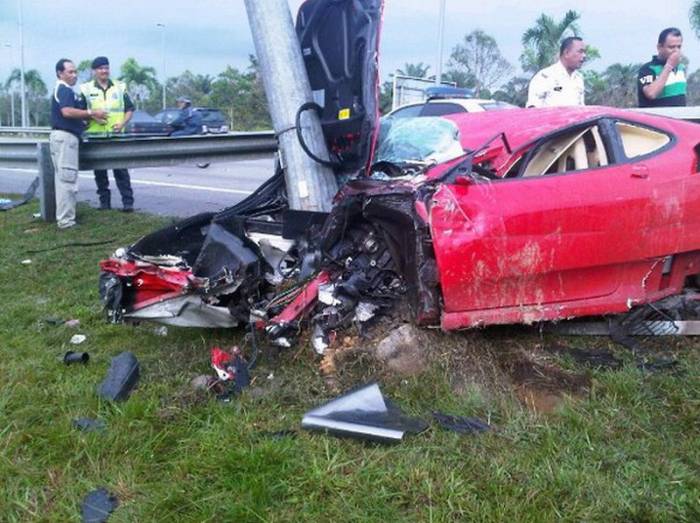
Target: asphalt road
[(181, 190)]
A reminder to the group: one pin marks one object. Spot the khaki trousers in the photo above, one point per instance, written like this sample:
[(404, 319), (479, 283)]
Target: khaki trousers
[(64, 155)]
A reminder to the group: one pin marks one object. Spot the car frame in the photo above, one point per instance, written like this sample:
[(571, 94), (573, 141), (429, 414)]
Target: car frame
[(515, 216)]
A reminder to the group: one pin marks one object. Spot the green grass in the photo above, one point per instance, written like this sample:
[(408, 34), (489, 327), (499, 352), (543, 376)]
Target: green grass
[(629, 451)]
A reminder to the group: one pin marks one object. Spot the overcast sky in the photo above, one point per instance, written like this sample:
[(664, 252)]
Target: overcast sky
[(205, 36)]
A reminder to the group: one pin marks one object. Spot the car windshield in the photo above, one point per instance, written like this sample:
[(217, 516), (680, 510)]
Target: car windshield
[(424, 139)]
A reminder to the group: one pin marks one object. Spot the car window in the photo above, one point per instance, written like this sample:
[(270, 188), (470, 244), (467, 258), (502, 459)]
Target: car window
[(408, 111), (638, 141), (212, 116), (441, 108), (576, 150), (496, 106)]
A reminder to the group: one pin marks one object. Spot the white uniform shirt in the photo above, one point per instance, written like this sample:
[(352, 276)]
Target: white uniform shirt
[(553, 86)]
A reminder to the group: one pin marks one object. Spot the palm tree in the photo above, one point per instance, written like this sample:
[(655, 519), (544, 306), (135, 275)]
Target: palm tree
[(140, 80), (695, 17), (36, 92), (419, 70), (543, 39)]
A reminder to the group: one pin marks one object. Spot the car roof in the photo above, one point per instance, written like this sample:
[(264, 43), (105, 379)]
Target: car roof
[(521, 126)]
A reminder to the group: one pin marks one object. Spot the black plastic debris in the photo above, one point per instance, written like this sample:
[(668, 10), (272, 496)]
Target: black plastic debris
[(363, 413), (98, 505), (71, 357), (597, 359), (658, 365), (460, 424), (122, 377), (89, 425), (31, 191)]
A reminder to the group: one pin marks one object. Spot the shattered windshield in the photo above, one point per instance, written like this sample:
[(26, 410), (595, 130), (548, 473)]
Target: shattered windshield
[(423, 139)]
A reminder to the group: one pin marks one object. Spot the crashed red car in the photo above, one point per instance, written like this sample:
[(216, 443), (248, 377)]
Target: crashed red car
[(460, 221)]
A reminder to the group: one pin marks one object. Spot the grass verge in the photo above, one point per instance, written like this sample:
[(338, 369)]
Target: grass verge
[(627, 451)]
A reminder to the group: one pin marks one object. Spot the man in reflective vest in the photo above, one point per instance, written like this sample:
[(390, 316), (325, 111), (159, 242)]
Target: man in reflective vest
[(111, 96)]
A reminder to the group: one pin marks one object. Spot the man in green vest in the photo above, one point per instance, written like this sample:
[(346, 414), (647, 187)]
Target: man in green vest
[(662, 82), (104, 94)]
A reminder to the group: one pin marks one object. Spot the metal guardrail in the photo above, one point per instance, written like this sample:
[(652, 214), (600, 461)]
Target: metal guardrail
[(129, 153), (6, 131)]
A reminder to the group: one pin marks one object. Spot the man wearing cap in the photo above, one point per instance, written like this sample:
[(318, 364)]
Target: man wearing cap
[(189, 121), (67, 124), (103, 93)]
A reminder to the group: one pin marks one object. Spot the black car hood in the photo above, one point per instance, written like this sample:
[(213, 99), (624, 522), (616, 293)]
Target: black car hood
[(340, 45)]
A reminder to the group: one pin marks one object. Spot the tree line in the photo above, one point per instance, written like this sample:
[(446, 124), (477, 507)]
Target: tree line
[(475, 62)]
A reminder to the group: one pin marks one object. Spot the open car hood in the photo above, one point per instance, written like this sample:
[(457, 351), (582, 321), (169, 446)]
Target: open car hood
[(340, 45)]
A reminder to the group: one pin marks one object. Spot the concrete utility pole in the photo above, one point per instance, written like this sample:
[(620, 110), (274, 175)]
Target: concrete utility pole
[(441, 43), (23, 88), (310, 185)]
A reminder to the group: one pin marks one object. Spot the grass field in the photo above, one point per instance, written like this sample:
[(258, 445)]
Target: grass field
[(628, 449)]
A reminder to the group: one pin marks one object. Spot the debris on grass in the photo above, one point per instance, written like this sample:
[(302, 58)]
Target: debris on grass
[(161, 331), (122, 377), (89, 425), (73, 324), (77, 339), (363, 413), (232, 371), (26, 262), (98, 505), (460, 424), (7, 204), (71, 357)]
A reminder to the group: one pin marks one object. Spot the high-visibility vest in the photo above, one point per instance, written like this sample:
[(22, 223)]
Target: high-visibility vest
[(111, 100)]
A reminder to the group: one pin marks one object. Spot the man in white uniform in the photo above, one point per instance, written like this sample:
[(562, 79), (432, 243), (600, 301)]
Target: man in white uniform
[(560, 84)]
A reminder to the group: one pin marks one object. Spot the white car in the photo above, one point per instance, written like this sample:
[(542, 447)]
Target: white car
[(442, 106)]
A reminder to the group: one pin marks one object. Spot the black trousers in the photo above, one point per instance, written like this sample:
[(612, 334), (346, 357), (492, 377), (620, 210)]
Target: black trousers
[(121, 176)]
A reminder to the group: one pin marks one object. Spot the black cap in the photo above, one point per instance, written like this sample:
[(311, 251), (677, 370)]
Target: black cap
[(99, 62)]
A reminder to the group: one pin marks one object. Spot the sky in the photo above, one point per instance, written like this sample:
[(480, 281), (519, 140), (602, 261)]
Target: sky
[(205, 36)]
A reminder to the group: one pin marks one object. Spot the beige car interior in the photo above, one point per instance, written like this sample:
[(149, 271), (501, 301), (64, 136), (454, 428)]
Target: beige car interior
[(639, 141), (582, 149)]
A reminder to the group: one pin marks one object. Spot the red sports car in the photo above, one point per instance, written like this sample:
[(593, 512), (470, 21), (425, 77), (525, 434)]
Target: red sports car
[(500, 217)]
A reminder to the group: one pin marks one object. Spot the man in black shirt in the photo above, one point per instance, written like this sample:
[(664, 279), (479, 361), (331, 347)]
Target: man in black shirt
[(68, 115), (662, 82)]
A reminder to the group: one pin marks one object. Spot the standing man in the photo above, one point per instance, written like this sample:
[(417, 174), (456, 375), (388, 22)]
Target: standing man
[(662, 82), (104, 94), (560, 84), (67, 116)]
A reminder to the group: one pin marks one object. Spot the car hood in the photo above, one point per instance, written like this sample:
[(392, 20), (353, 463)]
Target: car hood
[(340, 43)]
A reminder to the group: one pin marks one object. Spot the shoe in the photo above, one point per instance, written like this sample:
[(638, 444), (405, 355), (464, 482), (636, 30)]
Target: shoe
[(105, 207), (128, 208)]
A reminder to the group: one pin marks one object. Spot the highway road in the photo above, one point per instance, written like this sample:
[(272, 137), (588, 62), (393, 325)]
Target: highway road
[(180, 190)]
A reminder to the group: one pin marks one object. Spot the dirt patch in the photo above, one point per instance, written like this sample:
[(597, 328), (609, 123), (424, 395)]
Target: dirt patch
[(497, 363)]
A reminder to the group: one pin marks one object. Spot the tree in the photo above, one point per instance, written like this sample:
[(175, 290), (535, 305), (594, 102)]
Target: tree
[(140, 81), (542, 41), (459, 77), (514, 92), (419, 70), (694, 88), (37, 108), (242, 97), (84, 71), (480, 59), (695, 17)]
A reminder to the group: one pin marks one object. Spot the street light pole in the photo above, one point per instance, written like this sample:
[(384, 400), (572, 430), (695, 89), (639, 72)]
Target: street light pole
[(162, 52), (10, 91), (441, 43), (21, 65)]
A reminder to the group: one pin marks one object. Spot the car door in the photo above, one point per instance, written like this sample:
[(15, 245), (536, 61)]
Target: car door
[(567, 231)]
